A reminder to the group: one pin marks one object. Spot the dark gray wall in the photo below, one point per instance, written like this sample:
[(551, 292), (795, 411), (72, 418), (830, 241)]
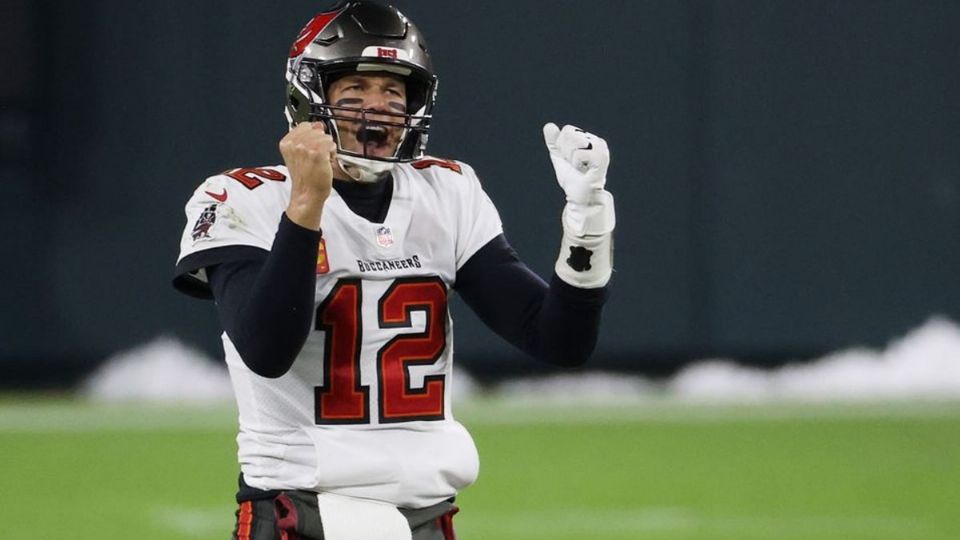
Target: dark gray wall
[(786, 173)]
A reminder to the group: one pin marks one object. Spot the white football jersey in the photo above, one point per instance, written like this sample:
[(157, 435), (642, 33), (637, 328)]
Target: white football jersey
[(365, 410)]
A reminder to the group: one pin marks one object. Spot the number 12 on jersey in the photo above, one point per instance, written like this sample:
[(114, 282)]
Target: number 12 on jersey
[(343, 399)]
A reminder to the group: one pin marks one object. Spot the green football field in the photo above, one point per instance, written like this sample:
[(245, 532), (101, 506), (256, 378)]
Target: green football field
[(656, 471)]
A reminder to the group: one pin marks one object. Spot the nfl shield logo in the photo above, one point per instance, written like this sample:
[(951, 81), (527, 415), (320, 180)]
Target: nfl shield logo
[(384, 237)]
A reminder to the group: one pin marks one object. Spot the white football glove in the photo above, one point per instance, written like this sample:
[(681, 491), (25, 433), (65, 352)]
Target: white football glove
[(580, 160)]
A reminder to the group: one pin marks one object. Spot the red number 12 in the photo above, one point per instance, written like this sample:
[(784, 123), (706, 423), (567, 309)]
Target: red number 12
[(342, 399)]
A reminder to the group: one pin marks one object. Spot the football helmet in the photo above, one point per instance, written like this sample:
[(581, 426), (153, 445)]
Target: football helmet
[(362, 36)]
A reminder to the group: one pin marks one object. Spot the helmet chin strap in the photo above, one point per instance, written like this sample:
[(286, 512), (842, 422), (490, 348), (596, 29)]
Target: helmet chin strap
[(364, 170)]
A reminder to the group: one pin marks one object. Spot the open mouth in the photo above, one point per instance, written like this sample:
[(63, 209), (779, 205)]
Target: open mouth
[(375, 136)]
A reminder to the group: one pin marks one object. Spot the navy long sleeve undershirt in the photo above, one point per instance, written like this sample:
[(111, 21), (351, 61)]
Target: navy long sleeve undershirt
[(266, 306), (265, 303), (557, 324)]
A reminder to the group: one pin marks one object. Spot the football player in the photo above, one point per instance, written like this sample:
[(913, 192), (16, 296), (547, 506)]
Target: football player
[(331, 276)]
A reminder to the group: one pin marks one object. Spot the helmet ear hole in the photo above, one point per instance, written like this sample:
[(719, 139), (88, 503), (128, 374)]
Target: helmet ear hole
[(294, 102)]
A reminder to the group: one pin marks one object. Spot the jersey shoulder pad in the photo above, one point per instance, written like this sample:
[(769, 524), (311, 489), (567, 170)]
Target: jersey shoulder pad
[(249, 189), (447, 175), (236, 207), (476, 218), (430, 165), (252, 179)]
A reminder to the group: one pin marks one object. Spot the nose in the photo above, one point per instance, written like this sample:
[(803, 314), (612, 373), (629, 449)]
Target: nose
[(376, 100)]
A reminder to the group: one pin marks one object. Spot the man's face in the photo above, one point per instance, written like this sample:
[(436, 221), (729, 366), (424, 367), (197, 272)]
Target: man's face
[(375, 92)]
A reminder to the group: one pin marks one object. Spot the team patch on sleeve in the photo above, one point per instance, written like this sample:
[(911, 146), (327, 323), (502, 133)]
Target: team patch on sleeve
[(206, 221), (211, 219)]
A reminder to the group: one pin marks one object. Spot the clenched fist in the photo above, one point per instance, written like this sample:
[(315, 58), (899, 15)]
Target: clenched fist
[(580, 160), (308, 151)]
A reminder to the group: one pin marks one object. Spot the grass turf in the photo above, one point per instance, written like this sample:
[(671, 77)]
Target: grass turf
[(76, 470)]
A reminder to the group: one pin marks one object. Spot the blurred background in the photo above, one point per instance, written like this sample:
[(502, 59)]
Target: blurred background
[(779, 357), (786, 173)]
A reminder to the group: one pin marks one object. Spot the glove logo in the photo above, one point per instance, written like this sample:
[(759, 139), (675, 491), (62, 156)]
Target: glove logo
[(579, 258)]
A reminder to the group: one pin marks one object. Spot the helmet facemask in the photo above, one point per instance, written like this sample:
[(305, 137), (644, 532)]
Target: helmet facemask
[(370, 124)]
